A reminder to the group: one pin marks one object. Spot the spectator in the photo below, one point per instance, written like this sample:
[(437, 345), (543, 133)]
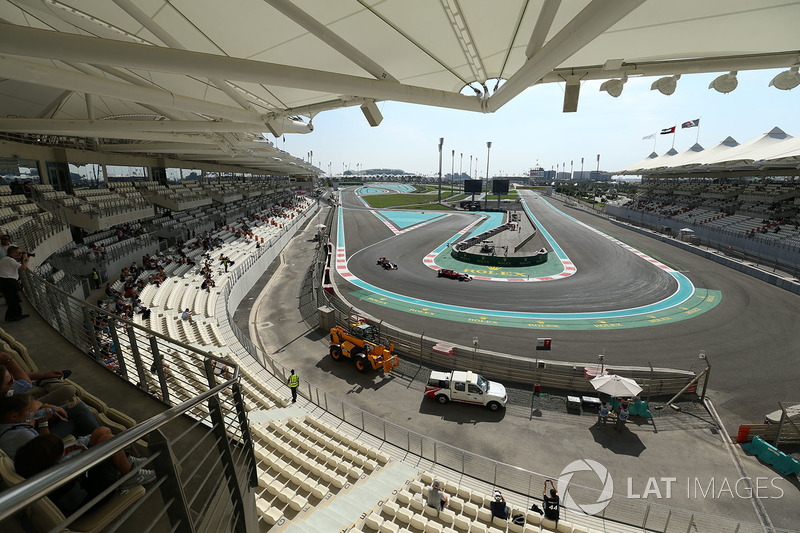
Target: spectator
[(187, 315), (73, 418), (436, 497), (48, 387), (499, 506), (222, 370), (551, 503), (5, 244), (46, 451), (9, 282)]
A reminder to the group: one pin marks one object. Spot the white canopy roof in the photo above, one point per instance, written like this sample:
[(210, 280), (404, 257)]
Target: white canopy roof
[(774, 148), (644, 163), (748, 152), (684, 157), (204, 77), (715, 153)]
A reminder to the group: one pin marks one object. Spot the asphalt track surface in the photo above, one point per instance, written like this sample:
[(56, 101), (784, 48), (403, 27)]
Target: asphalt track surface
[(612, 277), (751, 338)]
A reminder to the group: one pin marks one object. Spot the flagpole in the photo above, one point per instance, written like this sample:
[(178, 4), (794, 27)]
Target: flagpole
[(697, 139), (655, 138)]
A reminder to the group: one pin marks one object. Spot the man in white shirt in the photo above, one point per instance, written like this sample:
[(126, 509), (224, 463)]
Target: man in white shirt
[(5, 244), (10, 266)]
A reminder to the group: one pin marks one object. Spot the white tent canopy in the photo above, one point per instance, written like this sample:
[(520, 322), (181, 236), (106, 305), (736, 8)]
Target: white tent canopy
[(749, 151), (774, 147), (639, 164), (213, 74), (684, 157)]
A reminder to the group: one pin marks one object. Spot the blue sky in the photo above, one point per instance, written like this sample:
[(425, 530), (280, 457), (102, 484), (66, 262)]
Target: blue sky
[(533, 129)]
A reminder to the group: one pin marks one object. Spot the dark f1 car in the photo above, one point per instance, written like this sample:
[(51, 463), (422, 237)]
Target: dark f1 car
[(386, 264), (452, 274)]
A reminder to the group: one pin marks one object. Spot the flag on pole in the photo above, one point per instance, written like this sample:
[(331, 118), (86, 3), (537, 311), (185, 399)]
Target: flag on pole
[(651, 136), (691, 123), (667, 131)]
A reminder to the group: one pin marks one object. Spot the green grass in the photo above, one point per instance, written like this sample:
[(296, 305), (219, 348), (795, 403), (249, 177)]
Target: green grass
[(459, 198), (429, 207), (394, 200), (512, 196)]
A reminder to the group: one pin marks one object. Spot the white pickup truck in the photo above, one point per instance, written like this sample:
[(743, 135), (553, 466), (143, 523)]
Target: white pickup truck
[(467, 387)]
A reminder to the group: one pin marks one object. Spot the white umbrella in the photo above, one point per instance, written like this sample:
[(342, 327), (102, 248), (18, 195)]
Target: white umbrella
[(615, 385)]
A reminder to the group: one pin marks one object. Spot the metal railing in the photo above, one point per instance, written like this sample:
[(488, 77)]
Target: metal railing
[(204, 470), (43, 226), (463, 467), (78, 322)]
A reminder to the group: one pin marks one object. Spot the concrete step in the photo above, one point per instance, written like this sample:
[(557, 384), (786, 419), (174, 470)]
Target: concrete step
[(347, 507)]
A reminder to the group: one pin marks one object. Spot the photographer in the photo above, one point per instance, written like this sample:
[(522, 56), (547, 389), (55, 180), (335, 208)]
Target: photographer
[(10, 266)]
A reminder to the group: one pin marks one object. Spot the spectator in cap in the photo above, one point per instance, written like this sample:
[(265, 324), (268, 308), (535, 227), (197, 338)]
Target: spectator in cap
[(499, 506), (436, 497)]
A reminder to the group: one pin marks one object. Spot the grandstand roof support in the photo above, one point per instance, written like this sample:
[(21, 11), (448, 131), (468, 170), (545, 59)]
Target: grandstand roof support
[(543, 24), (596, 18), (82, 128), (16, 150), (65, 79), (330, 38), (51, 45), (168, 39), (682, 66)]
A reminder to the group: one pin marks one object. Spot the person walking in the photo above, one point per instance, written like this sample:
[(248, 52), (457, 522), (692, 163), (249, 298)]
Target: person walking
[(293, 382), (9, 282), (95, 278)]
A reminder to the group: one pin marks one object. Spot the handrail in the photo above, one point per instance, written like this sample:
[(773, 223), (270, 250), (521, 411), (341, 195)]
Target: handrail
[(25, 493), (129, 323)]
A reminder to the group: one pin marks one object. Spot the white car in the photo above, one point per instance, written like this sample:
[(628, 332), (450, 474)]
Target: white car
[(466, 387)]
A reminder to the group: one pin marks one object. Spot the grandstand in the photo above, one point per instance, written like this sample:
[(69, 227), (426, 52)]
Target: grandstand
[(168, 87), (309, 469)]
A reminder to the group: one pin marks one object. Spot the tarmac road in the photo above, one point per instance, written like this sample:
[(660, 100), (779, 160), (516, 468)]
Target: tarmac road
[(682, 445), (608, 277), (751, 338)]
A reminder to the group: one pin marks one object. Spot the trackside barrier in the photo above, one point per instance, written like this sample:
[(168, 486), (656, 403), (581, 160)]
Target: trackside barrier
[(782, 463), (470, 469), (559, 375), (768, 432), (475, 471)]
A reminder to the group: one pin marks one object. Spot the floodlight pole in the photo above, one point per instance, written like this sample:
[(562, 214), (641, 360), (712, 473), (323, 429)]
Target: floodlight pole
[(452, 171), (597, 174), (441, 142), (470, 167), (486, 196), (461, 167)]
